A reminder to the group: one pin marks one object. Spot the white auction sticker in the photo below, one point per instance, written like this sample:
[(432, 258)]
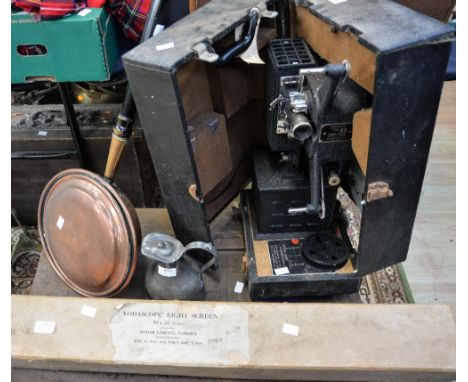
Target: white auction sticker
[(89, 311), (282, 271), (293, 330), (181, 334), (169, 45), (84, 12), (158, 29), (44, 327), (60, 222), (167, 272), (239, 287), (42, 133)]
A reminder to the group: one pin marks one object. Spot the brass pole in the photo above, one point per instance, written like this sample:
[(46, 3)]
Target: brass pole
[(120, 137), (123, 128)]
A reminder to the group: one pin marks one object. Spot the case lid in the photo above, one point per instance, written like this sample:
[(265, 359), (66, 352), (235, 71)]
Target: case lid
[(382, 26), (89, 232)]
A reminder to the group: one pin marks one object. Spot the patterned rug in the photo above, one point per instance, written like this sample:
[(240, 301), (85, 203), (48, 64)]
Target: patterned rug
[(25, 254), (387, 286)]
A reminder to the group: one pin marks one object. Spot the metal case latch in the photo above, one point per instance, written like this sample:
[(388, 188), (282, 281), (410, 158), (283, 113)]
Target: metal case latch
[(205, 52)]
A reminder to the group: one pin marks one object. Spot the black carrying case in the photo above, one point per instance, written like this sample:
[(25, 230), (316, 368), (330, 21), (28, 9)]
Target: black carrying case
[(409, 54)]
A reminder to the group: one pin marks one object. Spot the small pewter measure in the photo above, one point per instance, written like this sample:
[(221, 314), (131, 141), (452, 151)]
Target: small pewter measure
[(172, 273)]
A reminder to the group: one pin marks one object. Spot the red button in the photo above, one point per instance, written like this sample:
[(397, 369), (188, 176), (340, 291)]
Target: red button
[(295, 241)]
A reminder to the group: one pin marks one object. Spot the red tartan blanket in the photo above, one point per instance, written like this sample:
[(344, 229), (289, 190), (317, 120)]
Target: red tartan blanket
[(130, 14), (51, 9)]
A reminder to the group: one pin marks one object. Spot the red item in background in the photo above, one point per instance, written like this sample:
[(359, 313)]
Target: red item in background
[(51, 9), (131, 15), (96, 3)]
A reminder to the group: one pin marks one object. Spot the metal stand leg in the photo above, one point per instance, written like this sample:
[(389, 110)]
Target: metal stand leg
[(66, 93)]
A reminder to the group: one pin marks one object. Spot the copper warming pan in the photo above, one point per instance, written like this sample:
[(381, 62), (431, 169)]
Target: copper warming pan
[(89, 230)]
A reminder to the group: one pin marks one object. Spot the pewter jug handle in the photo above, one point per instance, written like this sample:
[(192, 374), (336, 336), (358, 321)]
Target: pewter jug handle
[(205, 247)]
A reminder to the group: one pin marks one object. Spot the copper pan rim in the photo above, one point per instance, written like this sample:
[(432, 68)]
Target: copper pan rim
[(132, 229)]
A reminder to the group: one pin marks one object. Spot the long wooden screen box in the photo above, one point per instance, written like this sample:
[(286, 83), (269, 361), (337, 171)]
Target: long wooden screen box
[(235, 340)]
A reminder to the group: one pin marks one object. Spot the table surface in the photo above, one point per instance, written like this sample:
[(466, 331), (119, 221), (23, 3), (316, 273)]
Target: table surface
[(430, 266), (219, 285)]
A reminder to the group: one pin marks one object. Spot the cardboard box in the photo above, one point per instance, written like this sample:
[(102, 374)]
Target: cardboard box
[(80, 47)]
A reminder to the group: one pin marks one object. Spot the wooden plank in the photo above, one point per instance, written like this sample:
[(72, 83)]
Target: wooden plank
[(361, 137), (36, 375), (346, 342), (335, 46)]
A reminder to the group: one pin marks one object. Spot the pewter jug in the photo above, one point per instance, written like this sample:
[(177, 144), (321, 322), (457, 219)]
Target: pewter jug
[(172, 274)]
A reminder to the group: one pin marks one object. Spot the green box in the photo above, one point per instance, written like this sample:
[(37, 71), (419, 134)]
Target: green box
[(80, 47)]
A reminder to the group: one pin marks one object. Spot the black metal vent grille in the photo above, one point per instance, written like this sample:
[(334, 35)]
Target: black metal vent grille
[(291, 51)]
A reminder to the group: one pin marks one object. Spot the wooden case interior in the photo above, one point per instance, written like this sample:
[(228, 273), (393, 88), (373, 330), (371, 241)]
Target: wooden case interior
[(222, 104)]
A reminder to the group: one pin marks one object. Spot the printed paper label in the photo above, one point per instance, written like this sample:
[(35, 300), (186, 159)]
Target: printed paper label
[(239, 287), (44, 327), (180, 334), (281, 271), (158, 29), (60, 222), (169, 45), (84, 12), (167, 272), (293, 330), (89, 311)]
